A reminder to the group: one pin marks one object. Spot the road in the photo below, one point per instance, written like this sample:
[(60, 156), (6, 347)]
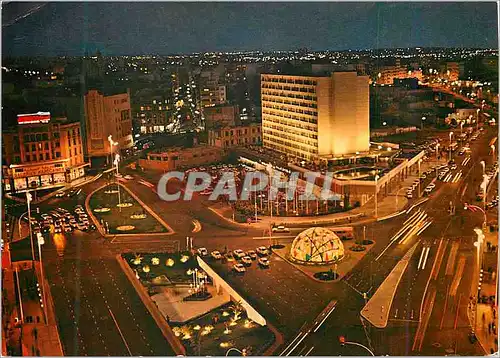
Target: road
[(90, 290)]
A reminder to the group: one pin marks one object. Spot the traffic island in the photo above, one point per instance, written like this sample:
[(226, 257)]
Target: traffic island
[(321, 255), (376, 311), (203, 319), (116, 211)]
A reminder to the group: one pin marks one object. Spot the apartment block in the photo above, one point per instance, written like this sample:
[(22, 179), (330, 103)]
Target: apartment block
[(313, 117), (105, 116)]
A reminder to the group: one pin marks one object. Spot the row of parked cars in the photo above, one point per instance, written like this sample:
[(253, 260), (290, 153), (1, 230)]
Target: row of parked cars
[(243, 259), (63, 221)]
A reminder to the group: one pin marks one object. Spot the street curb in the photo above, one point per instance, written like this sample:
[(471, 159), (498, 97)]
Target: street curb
[(151, 307), (215, 211), (149, 210)]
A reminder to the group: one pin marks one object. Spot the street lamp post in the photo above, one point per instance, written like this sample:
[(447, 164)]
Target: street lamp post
[(451, 135), (243, 352), (112, 144), (376, 192), (422, 123), (116, 162), (41, 241), (493, 151), (483, 164), (461, 128), (478, 245), (477, 119), (437, 153), (343, 342), (28, 201)]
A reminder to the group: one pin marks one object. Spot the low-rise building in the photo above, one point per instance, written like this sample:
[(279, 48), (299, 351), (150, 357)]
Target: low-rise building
[(221, 115), (227, 137), (41, 153), (180, 158)]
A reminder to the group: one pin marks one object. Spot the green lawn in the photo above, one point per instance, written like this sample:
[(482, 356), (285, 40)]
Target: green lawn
[(122, 216)]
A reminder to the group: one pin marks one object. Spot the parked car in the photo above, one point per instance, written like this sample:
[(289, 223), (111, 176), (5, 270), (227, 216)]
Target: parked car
[(239, 253), (264, 262), (409, 194), (216, 255), (246, 260), (262, 251), (57, 229), (202, 251), (252, 254), (453, 167), (239, 268)]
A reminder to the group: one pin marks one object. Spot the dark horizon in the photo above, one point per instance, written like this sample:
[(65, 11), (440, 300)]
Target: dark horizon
[(129, 29)]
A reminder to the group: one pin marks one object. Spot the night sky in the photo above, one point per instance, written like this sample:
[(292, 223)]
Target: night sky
[(169, 28)]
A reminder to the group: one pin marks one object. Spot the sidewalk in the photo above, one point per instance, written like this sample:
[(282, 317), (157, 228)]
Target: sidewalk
[(487, 312)]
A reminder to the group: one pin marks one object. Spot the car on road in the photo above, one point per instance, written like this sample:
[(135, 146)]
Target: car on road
[(68, 228), (246, 260), (239, 268), (128, 177), (82, 226), (45, 216), (446, 169), (423, 176), (61, 194), (57, 229), (202, 251), (280, 228), (264, 262), (216, 255), (252, 254), (453, 167), (238, 253), (428, 189), (409, 194), (262, 251)]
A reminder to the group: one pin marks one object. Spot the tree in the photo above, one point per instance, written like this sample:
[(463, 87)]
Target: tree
[(237, 309)]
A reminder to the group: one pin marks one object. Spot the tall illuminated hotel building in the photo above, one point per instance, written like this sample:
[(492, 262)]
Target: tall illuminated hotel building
[(315, 117)]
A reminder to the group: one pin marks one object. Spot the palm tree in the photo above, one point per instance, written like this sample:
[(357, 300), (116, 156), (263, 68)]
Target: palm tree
[(237, 309)]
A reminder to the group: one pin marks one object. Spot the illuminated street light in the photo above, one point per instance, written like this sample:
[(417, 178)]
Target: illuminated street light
[(451, 135), (376, 191), (112, 144), (343, 341), (422, 123)]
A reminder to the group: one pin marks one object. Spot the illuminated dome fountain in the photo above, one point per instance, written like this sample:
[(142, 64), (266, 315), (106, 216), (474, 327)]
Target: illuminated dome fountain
[(318, 246)]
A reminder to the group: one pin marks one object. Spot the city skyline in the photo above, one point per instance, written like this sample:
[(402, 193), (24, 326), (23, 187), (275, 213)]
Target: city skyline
[(168, 28)]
